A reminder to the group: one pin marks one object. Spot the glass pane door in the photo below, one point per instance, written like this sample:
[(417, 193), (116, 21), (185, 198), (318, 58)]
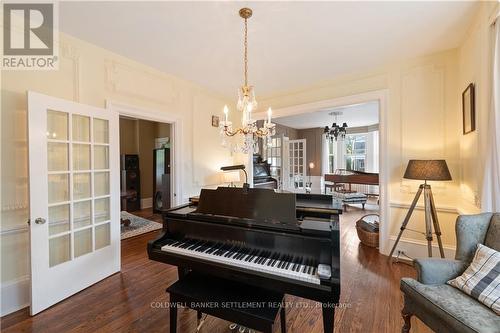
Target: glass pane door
[(79, 186), (297, 164), (74, 197)]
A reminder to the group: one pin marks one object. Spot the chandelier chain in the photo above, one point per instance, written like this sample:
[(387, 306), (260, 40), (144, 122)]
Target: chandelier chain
[(246, 53)]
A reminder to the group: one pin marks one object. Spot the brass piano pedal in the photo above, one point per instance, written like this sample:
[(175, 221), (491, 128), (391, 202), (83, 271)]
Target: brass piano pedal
[(200, 322), (240, 329)]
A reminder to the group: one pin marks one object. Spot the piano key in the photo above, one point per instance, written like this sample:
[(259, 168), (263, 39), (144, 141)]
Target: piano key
[(200, 244), (273, 259), (229, 250), (194, 245), (298, 265), (187, 244), (283, 262), (240, 255), (234, 254), (251, 256), (257, 256), (288, 263), (182, 244), (264, 265), (212, 249)]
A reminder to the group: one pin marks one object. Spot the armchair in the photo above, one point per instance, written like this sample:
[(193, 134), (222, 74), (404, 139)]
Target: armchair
[(443, 307)]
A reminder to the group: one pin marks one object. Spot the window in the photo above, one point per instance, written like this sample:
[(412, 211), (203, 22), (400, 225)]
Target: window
[(332, 147), (355, 152)]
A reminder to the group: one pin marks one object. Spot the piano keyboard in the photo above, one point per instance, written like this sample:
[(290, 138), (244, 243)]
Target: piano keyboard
[(284, 265)]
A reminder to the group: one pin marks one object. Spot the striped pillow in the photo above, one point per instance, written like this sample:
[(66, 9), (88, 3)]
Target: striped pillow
[(481, 279)]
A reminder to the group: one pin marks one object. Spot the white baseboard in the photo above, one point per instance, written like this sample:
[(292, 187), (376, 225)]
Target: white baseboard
[(146, 203), (418, 249), (15, 295)]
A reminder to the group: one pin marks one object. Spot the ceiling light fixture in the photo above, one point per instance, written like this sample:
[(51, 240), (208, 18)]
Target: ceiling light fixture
[(335, 131), (247, 104)]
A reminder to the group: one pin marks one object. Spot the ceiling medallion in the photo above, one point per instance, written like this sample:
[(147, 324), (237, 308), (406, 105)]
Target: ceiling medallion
[(246, 105)]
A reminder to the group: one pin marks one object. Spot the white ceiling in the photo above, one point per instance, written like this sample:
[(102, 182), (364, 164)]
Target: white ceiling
[(354, 115), (291, 44)]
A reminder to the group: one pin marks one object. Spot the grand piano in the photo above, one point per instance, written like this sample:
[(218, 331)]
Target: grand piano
[(262, 174), (281, 241)]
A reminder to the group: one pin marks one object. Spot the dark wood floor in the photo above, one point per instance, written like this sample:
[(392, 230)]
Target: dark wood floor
[(128, 301)]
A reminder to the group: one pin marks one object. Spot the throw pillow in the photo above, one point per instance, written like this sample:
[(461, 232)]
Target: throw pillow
[(481, 279)]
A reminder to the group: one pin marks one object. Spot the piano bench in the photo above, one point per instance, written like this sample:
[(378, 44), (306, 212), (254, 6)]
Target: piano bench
[(236, 302)]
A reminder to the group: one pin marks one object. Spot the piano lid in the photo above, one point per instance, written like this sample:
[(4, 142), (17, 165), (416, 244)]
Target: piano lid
[(257, 204)]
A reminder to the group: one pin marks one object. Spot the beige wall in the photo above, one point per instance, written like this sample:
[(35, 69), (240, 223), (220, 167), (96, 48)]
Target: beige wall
[(147, 135), (423, 118), (474, 67), (313, 138), (91, 75), (163, 130), (128, 136)]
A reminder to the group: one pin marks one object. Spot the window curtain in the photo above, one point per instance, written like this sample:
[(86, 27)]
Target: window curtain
[(490, 196), (324, 155)]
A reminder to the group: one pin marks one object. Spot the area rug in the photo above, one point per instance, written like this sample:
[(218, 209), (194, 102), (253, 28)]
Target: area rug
[(137, 226)]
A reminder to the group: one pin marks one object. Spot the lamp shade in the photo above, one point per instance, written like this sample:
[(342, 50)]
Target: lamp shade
[(427, 170), (231, 176)]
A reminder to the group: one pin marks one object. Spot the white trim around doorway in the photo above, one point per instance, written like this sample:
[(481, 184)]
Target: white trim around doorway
[(377, 95), (176, 139)]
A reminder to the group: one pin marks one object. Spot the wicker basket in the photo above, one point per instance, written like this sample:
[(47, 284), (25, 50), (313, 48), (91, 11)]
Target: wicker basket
[(366, 237)]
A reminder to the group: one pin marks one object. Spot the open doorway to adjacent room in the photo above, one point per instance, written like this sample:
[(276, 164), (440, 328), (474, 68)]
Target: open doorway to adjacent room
[(146, 174), (333, 150)]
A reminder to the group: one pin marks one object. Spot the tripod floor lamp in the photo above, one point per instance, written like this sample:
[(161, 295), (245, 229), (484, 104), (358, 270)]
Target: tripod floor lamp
[(425, 170)]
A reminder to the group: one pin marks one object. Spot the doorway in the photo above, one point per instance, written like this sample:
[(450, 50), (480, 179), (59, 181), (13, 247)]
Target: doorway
[(160, 169), (378, 97), (145, 183)]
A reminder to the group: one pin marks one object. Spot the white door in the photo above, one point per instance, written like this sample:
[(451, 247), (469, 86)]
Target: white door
[(297, 164), (74, 197)]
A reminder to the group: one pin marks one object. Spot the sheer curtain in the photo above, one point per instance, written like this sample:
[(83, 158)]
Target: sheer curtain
[(490, 198)]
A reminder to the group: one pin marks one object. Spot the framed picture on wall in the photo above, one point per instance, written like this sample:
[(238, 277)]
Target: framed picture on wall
[(468, 109), (215, 121)]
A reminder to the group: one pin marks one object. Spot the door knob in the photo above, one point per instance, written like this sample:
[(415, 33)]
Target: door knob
[(40, 220)]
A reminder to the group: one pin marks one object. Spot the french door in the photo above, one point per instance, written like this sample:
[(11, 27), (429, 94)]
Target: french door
[(74, 197), (297, 164)]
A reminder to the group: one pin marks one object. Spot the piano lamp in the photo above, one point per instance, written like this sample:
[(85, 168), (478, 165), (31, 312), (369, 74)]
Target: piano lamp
[(435, 170), (237, 167), (231, 177)]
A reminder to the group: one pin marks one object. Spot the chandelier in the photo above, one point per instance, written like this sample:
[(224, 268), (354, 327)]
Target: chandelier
[(335, 131), (246, 105)]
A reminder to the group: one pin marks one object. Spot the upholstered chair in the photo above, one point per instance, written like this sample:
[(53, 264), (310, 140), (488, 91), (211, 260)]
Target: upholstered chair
[(441, 306)]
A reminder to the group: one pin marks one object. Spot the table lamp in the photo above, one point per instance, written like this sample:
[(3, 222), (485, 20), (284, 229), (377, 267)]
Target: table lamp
[(425, 170), (311, 166)]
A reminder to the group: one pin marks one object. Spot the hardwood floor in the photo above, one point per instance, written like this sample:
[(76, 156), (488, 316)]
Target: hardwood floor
[(134, 300)]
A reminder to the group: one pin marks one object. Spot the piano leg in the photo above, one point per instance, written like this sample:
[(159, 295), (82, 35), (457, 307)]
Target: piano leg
[(328, 317), (173, 317)]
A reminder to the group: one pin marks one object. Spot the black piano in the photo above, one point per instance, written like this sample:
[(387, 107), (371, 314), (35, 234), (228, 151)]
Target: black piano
[(262, 174), (279, 241)]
